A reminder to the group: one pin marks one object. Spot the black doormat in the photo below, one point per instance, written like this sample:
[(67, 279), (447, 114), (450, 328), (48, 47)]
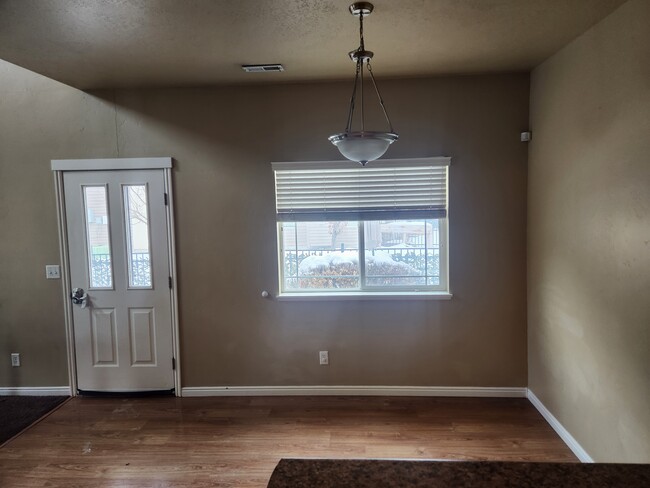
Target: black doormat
[(19, 412)]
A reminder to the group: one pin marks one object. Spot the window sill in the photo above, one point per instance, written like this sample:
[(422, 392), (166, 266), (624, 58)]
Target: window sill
[(388, 295)]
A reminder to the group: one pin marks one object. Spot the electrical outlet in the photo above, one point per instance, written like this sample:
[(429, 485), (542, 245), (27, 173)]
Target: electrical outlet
[(323, 358), (52, 271), (15, 359)]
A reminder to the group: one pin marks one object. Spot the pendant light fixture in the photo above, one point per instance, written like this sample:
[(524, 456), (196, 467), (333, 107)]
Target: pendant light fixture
[(363, 145)]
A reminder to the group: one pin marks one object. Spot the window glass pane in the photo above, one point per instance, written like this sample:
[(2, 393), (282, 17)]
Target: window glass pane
[(98, 237), (137, 235), (402, 253), (320, 255)]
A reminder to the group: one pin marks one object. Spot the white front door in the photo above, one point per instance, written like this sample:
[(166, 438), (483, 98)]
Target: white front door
[(119, 262)]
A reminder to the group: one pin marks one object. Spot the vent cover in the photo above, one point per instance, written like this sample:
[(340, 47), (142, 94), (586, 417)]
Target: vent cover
[(261, 68)]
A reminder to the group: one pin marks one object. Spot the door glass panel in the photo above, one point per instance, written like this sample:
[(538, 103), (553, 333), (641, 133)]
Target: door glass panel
[(137, 235), (98, 237)]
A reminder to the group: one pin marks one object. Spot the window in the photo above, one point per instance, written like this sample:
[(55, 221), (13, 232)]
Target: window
[(98, 242), (380, 229), (137, 235)]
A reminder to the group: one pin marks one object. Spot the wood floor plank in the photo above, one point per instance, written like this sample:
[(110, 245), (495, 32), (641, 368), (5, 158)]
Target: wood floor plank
[(236, 442)]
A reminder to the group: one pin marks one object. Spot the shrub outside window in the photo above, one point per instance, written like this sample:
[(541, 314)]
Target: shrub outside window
[(351, 230)]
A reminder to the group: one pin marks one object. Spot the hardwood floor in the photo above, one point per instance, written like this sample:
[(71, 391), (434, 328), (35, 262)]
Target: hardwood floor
[(197, 442)]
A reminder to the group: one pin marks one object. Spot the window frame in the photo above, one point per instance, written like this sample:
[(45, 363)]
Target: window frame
[(426, 291), (365, 292)]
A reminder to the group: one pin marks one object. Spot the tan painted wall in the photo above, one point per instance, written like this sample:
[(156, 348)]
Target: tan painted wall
[(589, 236), (223, 140), (40, 120)]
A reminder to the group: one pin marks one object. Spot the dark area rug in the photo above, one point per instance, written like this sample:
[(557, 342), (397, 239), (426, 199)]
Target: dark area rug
[(19, 412), (371, 473)]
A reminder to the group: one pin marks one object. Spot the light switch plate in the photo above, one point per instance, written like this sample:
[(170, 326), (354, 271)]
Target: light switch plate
[(52, 271), (323, 358)]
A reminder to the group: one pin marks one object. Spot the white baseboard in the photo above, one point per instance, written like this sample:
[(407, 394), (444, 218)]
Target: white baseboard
[(427, 391), (564, 434), (36, 391)]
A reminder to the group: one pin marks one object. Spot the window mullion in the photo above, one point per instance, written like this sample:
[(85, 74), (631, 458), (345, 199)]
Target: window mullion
[(426, 254), (362, 256), (295, 237)]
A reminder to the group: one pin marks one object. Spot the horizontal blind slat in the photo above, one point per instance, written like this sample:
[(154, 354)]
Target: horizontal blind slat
[(423, 195), (283, 187), (367, 214), (365, 192)]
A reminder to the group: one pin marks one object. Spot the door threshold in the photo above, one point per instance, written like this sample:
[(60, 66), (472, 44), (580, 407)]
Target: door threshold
[(126, 394)]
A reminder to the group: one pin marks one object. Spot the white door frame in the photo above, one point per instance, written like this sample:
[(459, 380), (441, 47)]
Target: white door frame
[(59, 166)]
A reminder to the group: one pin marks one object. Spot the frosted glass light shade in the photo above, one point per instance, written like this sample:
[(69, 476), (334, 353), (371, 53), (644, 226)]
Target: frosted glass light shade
[(363, 146)]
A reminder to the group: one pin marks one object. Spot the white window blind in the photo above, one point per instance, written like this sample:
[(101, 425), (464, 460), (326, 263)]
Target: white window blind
[(389, 189)]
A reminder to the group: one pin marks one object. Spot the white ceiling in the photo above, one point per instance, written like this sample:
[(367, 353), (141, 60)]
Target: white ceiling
[(118, 43)]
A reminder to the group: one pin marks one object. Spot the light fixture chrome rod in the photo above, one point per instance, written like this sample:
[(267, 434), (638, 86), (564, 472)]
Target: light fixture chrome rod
[(348, 127), (381, 100), (362, 48), (363, 114)]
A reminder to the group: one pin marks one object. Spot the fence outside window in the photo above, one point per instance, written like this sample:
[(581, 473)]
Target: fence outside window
[(100, 267)]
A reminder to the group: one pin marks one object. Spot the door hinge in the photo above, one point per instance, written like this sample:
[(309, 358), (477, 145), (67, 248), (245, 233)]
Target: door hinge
[(174, 363), (170, 282), (166, 198)]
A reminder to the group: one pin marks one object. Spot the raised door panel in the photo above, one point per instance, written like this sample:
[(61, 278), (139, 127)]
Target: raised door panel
[(103, 337), (142, 336)]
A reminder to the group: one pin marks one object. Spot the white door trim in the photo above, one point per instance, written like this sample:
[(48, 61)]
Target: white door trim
[(110, 164), (171, 239), (65, 280), (59, 166)]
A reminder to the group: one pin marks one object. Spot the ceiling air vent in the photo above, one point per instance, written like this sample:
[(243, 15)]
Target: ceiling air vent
[(261, 68)]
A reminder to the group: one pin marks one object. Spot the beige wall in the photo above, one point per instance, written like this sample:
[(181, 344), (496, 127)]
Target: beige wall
[(40, 120), (223, 140), (589, 236)]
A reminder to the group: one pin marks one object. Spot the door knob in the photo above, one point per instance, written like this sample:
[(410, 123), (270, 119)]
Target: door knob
[(79, 297)]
